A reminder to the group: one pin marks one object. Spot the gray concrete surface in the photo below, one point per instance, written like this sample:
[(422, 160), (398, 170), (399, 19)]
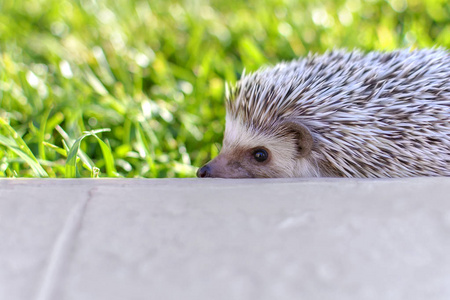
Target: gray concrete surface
[(225, 239)]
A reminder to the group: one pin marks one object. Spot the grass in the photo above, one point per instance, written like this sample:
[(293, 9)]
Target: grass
[(135, 88)]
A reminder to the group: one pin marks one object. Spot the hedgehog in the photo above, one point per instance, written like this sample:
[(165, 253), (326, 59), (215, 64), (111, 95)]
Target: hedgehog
[(340, 114)]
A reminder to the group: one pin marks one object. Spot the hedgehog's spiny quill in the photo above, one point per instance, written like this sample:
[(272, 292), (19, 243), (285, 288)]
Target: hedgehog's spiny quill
[(371, 115)]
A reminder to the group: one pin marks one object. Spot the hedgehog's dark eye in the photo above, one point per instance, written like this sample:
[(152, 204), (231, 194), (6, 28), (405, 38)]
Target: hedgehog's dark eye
[(260, 155)]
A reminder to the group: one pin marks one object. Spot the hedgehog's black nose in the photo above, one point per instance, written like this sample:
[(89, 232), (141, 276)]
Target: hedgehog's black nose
[(204, 171)]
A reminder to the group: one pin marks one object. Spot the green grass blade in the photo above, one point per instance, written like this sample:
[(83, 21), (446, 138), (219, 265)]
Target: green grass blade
[(144, 146), (21, 149), (41, 134), (59, 150), (71, 162), (108, 156), (34, 165), (68, 143)]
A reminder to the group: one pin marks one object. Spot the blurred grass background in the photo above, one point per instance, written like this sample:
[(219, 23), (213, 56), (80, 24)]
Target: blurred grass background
[(97, 88)]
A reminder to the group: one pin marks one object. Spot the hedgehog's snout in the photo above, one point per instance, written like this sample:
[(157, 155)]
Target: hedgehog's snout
[(225, 167), (214, 168), (204, 171)]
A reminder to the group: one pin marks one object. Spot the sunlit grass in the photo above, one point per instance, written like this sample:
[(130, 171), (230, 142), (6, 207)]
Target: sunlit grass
[(135, 88)]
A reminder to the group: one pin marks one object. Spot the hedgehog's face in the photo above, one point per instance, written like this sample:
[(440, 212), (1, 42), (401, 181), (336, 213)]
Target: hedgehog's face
[(251, 153)]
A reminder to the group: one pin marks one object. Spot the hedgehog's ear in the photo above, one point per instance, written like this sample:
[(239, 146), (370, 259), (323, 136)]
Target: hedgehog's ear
[(303, 136)]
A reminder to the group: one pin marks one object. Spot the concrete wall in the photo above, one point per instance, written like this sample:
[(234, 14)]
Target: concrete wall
[(219, 239)]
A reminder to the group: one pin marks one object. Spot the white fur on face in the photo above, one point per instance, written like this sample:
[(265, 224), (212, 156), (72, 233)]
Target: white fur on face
[(284, 156)]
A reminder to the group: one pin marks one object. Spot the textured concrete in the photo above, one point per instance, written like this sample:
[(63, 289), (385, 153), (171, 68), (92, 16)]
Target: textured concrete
[(225, 239)]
